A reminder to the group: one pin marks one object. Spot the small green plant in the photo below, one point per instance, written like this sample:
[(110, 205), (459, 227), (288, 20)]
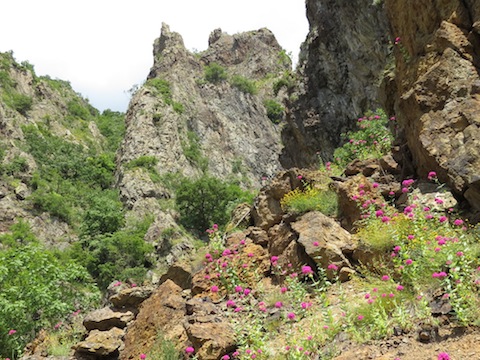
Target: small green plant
[(310, 199), (163, 87), (287, 81), (21, 103), (148, 163), (372, 140), (193, 152), (163, 349), (245, 85), (76, 109), (275, 111), (214, 73)]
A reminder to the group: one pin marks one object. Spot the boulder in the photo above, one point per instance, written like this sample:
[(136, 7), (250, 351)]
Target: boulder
[(101, 344), (180, 273), (163, 311), (131, 297), (106, 318), (325, 241)]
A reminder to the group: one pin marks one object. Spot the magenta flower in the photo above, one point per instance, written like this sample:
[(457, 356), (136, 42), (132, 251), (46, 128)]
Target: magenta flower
[(230, 303), (247, 291), (238, 289), (143, 356), (458, 222), (306, 270), (283, 290), (214, 289), (432, 175), (442, 219), (274, 260), (385, 219), (189, 350), (400, 287), (360, 317), (332, 267), (385, 278), (408, 262), (291, 316), (278, 304), (306, 305), (443, 356), (12, 331), (225, 357), (315, 243)]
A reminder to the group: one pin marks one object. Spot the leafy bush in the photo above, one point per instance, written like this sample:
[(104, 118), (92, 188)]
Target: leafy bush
[(122, 255), (163, 87), (245, 85), (372, 140), (286, 81), (104, 215), (16, 166), (36, 291), (111, 125), (214, 73), (206, 200), (76, 109), (193, 152), (148, 163), (21, 103), (274, 110)]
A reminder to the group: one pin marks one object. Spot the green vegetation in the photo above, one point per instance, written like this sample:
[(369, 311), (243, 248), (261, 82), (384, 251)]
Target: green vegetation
[(112, 126), (163, 88), (148, 163), (275, 111), (193, 152), (287, 81), (372, 140), (37, 289), (207, 200), (244, 84), (214, 73), (122, 255), (311, 199), (163, 349)]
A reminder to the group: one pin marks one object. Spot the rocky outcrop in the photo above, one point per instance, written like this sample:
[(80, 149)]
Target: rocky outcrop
[(436, 92), (340, 69), (192, 124)]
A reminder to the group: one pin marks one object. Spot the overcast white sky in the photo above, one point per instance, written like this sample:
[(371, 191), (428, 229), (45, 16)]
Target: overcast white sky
[(104, 47)]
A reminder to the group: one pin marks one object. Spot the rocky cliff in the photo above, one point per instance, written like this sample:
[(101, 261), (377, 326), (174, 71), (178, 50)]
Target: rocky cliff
[(436, 91), (340, 71), (204, 112)]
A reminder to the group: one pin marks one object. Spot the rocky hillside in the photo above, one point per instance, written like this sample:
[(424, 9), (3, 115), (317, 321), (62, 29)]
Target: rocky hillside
[(213, 111), (41, 119)]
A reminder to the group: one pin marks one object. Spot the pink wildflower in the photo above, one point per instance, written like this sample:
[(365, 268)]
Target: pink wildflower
[(143, 356), (385, 278), (189, 350), (332, 267), (278, 304), (291, 316), (306, 270), (214, 289), (442, 219), (443, 356), (11, 332)]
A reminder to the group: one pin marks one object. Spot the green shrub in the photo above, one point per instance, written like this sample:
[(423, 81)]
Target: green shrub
[(193, 152), (104, 215), (274, 110), (372, 140), (310, 199), (53, 203), (16, 166), (214, 73), (148, 163), (122, 255), (36, 291), (21, 103), (112, 126), (76, 109), (245, 85), (205, 201), (162, 86), (286, 81)]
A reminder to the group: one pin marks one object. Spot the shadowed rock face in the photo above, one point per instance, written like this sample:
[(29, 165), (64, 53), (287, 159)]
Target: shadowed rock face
[(341, 65), (437, 88)]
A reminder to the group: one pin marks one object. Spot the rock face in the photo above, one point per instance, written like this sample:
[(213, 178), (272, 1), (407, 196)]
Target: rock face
[(340, 68), (436, 90), (192, 124)]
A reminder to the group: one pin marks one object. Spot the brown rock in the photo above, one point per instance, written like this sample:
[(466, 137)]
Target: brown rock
[(280, 236), (106, 318), (101, 344), (131, 297), (267, 210), (436, 99), (180, 273), (163, 310), (212, 340), (324, 240)]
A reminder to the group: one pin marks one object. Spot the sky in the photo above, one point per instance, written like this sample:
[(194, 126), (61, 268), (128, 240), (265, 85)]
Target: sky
[(104, 47)]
